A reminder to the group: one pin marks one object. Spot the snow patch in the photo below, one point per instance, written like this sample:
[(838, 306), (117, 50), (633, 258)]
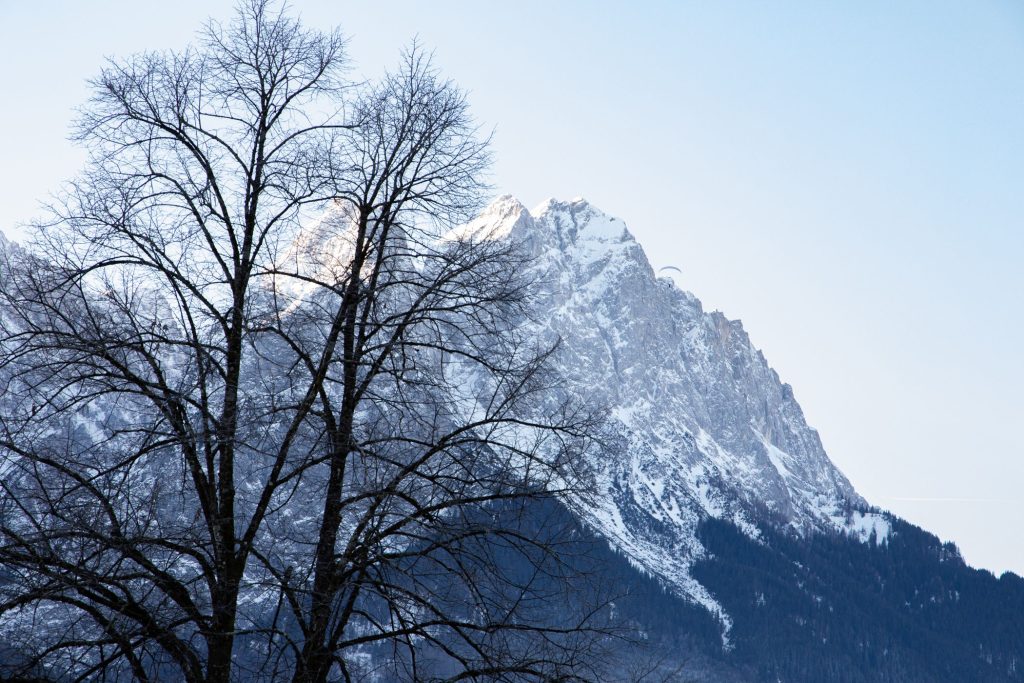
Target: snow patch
[(867, 526)]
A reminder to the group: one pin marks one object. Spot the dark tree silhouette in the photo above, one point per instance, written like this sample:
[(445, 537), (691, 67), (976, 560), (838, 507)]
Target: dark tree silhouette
[(263, 413)]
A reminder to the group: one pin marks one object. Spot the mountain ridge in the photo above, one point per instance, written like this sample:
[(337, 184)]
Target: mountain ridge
[(742, 552), (705, 427)]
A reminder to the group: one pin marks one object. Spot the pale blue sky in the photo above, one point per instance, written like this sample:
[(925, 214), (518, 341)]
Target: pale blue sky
[(846, 178)]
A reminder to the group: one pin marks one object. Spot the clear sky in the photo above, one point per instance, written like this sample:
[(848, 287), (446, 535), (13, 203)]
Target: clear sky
[(846, 178)]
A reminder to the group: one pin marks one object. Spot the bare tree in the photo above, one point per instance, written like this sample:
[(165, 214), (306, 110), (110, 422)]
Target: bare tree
[(266, 414)]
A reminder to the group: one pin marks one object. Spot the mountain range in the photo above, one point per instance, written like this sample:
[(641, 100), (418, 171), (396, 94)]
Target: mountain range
[(739, 550)]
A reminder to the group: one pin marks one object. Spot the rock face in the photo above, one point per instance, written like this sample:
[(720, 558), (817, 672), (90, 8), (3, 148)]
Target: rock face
[(700, 425), (705, 427)]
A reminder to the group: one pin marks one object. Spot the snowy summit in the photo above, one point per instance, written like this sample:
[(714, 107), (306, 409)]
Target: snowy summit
[(705, 427)]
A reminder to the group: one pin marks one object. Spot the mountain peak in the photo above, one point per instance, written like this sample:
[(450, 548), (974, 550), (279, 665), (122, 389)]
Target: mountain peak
[(584, 217), (504, 205), (495, 222), (576, 204), (705, 427)]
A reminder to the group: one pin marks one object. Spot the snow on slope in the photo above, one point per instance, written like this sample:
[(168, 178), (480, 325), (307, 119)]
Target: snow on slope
[(705, 427)]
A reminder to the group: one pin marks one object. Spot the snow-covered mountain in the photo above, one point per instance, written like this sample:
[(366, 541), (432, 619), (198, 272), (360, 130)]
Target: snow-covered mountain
[(705, 426), (700, 425), (741, 551)]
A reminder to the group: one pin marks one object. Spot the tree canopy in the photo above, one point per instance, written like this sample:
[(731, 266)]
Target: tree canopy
[(263, 414)]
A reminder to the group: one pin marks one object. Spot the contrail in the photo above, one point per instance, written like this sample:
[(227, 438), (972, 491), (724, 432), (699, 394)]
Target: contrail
[(951, 500)]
